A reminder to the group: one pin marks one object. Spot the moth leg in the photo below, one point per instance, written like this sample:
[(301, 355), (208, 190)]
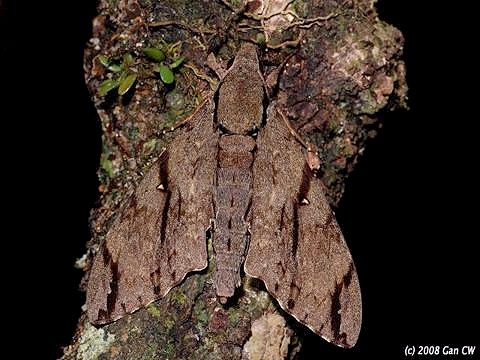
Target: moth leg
[(292, 131), (312, 158)]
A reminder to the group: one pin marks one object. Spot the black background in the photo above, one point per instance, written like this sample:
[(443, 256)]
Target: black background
[(409, 211)]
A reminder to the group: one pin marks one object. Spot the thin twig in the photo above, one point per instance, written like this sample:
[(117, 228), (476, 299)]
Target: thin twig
[(180, 24), (229, 6), (245, 28), (281, 12), (184, 26), (200, 75), (304, 23), (284, 44), (307, 23)]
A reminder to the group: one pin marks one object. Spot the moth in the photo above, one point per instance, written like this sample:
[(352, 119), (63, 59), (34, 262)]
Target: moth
[(238, 163)]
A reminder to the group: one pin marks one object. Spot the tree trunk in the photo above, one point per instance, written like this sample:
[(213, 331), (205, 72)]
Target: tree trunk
[(339, 65)]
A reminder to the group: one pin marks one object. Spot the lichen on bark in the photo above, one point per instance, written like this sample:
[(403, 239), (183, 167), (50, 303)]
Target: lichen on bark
[(338, 67)]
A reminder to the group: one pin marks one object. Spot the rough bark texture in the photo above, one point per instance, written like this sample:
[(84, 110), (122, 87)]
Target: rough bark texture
[(341, 67)]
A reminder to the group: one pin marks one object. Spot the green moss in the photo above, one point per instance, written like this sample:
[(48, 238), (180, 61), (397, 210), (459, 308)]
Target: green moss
[(175, 100), (236, 3), (333, 126), (259, 301), (199, 282), (93, 343), (201, 315), (260, 38), (132, 132), (233, 316), (134, 331), (169, 324), (149, 146), (154, 310), (150, 352), (369, 103), (106, 165), (179, 297), (169, 350)]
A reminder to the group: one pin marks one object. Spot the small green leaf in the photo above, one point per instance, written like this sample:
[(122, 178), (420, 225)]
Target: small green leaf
[(107, 86), (260, 37), (126, 83), (106, 165), (177, 62), (166, 74), (115, 68), (154, 53), (105, 61), (127, 60)]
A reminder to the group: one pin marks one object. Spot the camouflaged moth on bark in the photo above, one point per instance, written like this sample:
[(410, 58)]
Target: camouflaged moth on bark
[(239, 164)]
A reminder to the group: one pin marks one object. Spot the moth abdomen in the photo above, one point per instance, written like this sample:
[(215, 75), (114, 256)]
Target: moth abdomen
[(232, 202)]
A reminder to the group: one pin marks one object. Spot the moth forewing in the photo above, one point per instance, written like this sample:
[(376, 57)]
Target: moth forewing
[(297, 248), (159, 235)]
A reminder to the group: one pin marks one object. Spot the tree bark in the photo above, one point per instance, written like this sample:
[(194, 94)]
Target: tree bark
[(338, 66)]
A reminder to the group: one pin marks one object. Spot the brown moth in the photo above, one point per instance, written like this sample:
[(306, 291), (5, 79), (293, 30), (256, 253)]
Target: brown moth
[(251, 176)]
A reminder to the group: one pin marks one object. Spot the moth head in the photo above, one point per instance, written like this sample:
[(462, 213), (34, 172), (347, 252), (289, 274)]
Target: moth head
[(247, 53), (241, 94)]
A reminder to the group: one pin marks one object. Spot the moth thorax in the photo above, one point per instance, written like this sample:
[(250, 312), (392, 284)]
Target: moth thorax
[(243, 114)]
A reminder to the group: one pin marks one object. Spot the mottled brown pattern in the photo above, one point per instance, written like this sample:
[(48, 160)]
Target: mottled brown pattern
[(305, 262), (241, 94), (267, 206), (160, 235), (233, 195), (240, 109)]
